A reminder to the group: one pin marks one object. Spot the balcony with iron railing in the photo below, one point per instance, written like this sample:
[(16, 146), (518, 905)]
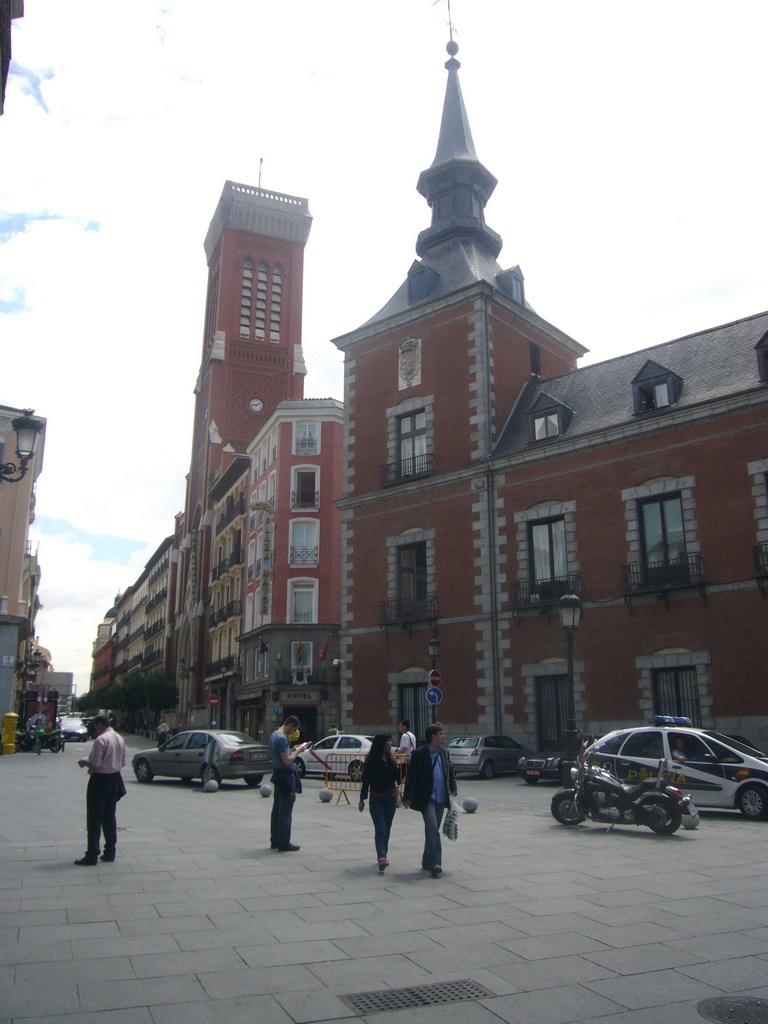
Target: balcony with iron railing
[(151, 656), (544, 593), (304, 555), (659, 577), (154, 629), (305, 502), (405, 470), (157, 599), (231, 511), (306, 446), (222, 666), (158, 572), (399, 611)]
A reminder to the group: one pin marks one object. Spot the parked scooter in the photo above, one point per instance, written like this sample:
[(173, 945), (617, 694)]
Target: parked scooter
[(600, 796), (37, 740)]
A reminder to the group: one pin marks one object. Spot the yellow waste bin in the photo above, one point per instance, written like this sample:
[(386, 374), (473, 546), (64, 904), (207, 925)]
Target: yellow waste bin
[(10, 721)]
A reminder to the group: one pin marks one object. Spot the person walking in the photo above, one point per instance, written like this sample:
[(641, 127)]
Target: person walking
[(381, 777), (286, 783), (161, 731), (105, 788), (429, 786)]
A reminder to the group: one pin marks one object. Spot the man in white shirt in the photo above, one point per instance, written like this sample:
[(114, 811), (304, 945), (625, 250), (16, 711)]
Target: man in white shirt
[(105, 788), (407, 741)]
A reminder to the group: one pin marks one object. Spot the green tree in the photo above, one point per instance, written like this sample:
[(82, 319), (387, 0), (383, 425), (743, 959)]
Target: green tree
[(160, 693)]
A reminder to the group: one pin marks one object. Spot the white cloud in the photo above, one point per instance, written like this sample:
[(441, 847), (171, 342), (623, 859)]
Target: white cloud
[(626, 138)]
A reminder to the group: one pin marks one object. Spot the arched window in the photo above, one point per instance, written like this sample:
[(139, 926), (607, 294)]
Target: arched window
[(276, 306), (246, 298)]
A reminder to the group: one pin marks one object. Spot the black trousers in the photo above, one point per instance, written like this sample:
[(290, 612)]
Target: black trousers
[(283, 799), (100, 805)]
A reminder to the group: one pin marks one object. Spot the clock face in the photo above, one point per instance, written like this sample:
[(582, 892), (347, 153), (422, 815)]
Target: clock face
[(256, 404)]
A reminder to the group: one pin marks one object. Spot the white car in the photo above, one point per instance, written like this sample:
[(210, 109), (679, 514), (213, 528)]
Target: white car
[(717, 770), (338, 755)]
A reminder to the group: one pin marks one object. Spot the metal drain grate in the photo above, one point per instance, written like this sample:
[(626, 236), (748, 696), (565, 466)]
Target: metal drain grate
[(735, 1010), (422, 995)]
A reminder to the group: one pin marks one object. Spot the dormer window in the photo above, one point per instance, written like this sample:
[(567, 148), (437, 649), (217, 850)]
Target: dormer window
[(421, 281), (655, 387), (548, 418), (762, 358), (511, 282), (546, 426)]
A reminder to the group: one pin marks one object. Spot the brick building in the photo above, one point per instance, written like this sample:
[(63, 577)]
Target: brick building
[(486, 476), (289, 647)]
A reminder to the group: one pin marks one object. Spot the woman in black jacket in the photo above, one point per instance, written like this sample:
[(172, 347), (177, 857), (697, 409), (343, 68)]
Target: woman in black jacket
[(381, 777)]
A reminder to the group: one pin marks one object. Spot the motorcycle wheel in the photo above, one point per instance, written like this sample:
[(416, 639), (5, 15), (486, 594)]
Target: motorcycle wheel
[(565, 809), (661, 817), (56, 745)]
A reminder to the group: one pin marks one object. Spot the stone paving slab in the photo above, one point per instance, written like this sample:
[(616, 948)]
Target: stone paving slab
[(198, 920)]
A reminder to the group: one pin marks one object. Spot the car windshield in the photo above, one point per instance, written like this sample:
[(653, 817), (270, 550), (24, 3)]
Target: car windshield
[(743, 748), (465, 741), (236, 739)]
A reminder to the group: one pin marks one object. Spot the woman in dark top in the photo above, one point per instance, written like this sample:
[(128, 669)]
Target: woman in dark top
[(381, 777)]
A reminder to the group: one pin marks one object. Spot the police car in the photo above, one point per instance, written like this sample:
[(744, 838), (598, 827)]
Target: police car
[(717, 770)]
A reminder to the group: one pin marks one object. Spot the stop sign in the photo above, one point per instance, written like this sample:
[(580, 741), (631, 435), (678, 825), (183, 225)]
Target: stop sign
[(435, 678), (214, 701)]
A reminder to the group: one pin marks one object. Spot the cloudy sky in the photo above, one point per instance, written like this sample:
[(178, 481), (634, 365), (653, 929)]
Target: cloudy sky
[(625, 136)]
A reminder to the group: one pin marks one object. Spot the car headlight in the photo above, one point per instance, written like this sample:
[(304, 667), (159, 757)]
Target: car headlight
[(553, 762), (521, 763)]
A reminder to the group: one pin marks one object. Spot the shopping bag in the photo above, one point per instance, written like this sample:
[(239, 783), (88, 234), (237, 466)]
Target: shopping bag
[(451, 822)]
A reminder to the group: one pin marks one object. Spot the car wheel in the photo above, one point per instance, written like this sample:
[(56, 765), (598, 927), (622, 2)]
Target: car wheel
[(210, 771), (662, 817), (487, 769), (143, 770), (753, 802), (565, 809), (300, 767), (355, 771), (253, 780), (530, 782)]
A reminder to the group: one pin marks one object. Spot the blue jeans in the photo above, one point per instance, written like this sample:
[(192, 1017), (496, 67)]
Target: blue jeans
[(382, 810), (433, 847)]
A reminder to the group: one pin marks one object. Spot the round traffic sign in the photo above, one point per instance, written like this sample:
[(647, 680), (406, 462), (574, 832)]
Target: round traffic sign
[(214, 701), (435, 678), (434, 695)]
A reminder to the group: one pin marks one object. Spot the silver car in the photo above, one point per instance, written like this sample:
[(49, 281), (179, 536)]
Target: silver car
[(205, 754), (486, 755)]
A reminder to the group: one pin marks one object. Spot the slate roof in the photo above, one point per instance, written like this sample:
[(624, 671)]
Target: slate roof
[(458, 264), (712, 364)]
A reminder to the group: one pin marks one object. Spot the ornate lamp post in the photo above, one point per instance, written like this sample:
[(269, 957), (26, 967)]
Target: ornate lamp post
[(570, 616), (27, 432)]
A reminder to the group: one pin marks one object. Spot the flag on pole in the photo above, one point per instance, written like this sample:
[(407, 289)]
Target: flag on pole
[(298, 649), (324, 649), (263, 648)]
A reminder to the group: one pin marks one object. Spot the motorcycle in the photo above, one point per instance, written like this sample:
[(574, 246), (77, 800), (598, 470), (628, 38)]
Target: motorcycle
[(598, 795), (38, 740)]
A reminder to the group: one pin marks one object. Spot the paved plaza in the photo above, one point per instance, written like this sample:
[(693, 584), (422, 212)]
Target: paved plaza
[(198, 920)]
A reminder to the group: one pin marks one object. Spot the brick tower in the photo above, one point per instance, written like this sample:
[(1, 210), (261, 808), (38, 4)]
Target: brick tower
[(251, 360)]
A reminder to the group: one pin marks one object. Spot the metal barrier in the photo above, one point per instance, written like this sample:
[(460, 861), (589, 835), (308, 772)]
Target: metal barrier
[(344, 771)]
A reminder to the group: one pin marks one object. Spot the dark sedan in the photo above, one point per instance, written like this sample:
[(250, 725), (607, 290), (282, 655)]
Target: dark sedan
[(205, 754)]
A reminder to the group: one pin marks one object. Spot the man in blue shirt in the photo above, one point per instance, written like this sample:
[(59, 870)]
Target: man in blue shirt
[(286, 783), (429, 786)]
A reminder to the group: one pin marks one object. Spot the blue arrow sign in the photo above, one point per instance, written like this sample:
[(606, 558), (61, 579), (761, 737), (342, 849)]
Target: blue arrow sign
[(434, 695)]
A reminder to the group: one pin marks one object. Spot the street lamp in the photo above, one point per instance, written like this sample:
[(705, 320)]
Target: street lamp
[(570, 616), (27, 432)]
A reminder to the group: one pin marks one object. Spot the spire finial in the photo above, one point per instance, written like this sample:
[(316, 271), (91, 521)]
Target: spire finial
[(452, 49)]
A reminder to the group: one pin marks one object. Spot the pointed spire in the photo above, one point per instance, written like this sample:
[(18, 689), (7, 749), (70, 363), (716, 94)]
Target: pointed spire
[(456, 186)]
